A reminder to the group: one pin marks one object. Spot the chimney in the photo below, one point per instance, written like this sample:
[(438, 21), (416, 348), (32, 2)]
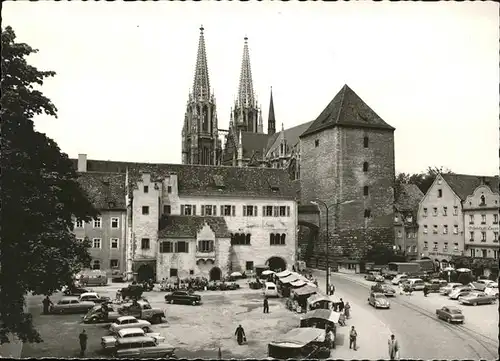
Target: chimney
[(82, 162)]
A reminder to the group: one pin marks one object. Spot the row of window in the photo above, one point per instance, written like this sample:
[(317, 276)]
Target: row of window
[(408, 219), (409, 249), (444, 211), (435, 229), (97, 223), (365, 142), (174, 272), (483, 236), (230, 210), (445, 246), (483, 218), (114, 243), (483, 253), (96, 264), (455, 231), (146, 189), (408, 234)]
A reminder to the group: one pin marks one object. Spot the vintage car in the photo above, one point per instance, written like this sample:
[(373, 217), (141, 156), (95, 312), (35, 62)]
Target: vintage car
[(446, 290), (142, 347), (300, 343), (143, 310), (460, 291), (387, 290), (476, 298), (486, 282), (435, 284), (378, 300), (128, 322), (75, 291), (93, 297), (399, 278), (133, 291), (108, 343), (450, 314), (477, 286), (492, 289), (183, 297), (71, 305), (374, 277), (96, 315), (94, 279)]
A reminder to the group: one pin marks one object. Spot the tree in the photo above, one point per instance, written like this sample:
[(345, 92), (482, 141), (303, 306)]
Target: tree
[(41, 197), (422, 180), (381, 255)]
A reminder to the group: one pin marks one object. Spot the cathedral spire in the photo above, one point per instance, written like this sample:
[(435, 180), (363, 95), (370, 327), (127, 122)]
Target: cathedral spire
[(201, 83), (271, 120), (245, 90)]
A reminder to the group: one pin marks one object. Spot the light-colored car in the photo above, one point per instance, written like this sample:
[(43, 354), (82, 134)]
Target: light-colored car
[(108, 343), (450, 314), (416, 284), (270, 290), (476, 298), (128, 322), (446, 290), (485, 282), (492, 290), (399, 278), (93, 297), (71, 305), (460, 291), (142, 347), (378, 300)]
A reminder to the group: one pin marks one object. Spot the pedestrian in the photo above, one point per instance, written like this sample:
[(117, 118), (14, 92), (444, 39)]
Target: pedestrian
[(393, 348), (118, 295), (330, 337), (352, 338), (332, 290), (83, 342), (341, 305), (46, 305), (240, 335), (347, 310), (266, 305), (293, 268)]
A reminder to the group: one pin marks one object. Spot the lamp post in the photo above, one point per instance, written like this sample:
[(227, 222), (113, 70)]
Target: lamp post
[(327, 207)]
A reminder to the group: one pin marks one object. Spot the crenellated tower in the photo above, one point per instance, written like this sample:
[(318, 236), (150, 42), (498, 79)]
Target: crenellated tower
[(200, 140), (246, 115)]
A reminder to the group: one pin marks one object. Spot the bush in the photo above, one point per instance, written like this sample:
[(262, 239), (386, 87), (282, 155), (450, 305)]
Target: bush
[(465, 278)]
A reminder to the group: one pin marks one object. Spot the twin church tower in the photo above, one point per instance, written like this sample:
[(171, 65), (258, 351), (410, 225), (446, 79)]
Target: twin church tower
[(201, 143)]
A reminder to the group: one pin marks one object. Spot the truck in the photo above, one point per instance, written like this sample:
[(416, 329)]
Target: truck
[(140, 310), (402, 267)]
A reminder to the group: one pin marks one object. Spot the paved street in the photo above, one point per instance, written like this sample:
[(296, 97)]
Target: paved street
[(412, 319)]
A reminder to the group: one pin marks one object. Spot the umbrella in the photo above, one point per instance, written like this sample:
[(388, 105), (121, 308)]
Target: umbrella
[(448, 269), (463, 270), (267, 272), (236, 274)]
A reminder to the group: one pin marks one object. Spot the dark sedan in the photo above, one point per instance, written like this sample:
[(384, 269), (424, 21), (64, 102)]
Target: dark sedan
[(183, 297), (450, 314)]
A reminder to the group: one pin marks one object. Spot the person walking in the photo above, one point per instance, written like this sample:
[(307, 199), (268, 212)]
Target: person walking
[(46, 305), (332, 290), (352, 338), (341, 305), (83, 342), (393, 348), (347, 310), (266, 305), (240, 335), (118, 295)]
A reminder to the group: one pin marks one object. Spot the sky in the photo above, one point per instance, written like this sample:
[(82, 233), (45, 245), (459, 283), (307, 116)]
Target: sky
[(124, 71)]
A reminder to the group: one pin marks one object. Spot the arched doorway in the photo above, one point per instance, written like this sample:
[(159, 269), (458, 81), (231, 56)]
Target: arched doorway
[(215, 274), (276, 264), (145, 272)]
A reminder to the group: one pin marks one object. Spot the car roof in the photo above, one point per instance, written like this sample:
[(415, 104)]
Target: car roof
[(414, 279), (135, 339), (89, 294), (123, 318), (69, 298), (127, 331), (452, 307), (377, 294), (270, 284)]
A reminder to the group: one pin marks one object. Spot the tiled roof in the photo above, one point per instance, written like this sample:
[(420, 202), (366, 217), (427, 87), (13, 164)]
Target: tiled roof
[(347, 109), (291, 136), (189, 226), (409, 197), (463, 185), (199, 180), (105, 190), (253, 144)]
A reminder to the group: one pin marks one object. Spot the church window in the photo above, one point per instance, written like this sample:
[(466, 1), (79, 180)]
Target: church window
[(205, 119), (281, 146), (365, 142), (365, 167)]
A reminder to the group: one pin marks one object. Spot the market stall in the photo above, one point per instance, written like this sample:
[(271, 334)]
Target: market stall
[(318, 301)]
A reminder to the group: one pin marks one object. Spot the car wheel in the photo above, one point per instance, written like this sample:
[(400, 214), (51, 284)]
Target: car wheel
[(156, 319), (193, 303), (145, 329), (171, 302)]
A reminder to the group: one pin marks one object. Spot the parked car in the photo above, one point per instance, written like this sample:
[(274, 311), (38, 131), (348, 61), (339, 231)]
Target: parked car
[(142, 347), (108, 343), (387, 290), (128, 322), (142, 310), (374, 277), (94, 279), (93, 297), (449, 287), (486, 282), (183, 297), (477, 286), (378, 300), (492, 289), (75, 291), (71, 305), (476, 298), (133, 291), (270, 290), (435, 284), (118, 276), (399, 278), (416, 284), (460, 291), (96, 315), (450, 314)]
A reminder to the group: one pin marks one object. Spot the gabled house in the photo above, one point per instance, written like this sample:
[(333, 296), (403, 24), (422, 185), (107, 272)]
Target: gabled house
[(405, 220)]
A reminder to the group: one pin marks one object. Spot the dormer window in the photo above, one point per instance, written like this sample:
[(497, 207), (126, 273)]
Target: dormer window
[(111, 204), (275, 188)]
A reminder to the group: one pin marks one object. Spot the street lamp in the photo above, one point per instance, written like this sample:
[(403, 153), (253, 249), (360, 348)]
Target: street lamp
[(327, 207)]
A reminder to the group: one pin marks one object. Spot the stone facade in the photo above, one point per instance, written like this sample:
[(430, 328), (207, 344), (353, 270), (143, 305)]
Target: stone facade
[(480, 211), (408, 198)]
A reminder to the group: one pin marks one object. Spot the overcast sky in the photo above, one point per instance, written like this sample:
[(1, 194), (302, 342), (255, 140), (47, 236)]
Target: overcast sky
[(124, 71)]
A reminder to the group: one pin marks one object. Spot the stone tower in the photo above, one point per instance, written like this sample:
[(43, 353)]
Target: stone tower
[(347, 162), (246, 115), (200, 141)]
